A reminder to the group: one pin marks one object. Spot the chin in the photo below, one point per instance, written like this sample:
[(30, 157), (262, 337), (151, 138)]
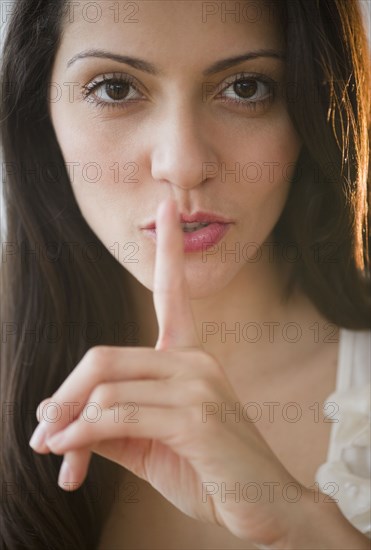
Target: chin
[(204, 279)]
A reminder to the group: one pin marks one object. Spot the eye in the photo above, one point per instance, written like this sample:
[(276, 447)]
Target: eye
[(250, 91), (248, 88), (111, 91)]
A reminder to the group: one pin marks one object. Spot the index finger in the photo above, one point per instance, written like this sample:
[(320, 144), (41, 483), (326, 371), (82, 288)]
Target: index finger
[(170, 293)]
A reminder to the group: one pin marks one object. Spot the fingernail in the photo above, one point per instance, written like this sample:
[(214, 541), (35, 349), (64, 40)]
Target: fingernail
[(38, 437), (65, 478)]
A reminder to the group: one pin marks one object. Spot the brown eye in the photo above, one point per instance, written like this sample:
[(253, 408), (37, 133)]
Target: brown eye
[(245, 88), (250, 91), (116, 90), (113, 90)]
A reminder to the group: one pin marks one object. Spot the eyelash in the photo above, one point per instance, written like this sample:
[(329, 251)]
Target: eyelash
[(88, 89)]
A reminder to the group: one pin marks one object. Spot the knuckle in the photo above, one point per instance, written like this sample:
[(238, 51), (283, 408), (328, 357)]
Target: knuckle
[(40, 407), (98, 356), (199, 389), (102, 395)]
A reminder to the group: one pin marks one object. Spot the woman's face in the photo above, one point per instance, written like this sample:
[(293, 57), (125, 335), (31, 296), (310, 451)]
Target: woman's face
[(177, 129)]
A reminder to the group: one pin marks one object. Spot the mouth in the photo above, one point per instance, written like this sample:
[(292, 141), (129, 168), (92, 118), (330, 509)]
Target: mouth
[(195, 222), (202, 230)]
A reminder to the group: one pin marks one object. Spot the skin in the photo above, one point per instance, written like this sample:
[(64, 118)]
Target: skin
[(170, 133)]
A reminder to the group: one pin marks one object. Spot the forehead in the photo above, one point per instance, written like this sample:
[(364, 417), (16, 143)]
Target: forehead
[(173, 29)]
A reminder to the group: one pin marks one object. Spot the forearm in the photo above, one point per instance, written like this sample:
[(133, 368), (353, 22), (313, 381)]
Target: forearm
[(321, 525)]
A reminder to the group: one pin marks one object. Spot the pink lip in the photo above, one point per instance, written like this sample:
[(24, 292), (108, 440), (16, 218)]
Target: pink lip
[(199, 240), (201, 217)]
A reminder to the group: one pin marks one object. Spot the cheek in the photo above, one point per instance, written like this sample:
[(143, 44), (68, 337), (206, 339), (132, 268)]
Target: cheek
[(273, 152), (104, 177), (105, 181), (270, 153)]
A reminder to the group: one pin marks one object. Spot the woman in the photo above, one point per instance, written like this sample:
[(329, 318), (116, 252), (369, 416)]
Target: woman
[(148, 349)]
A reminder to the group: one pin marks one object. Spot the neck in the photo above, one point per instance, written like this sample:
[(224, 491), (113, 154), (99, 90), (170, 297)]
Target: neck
[(249, 326)]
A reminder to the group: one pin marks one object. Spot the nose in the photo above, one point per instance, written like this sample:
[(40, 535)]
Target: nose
[(182, 148)]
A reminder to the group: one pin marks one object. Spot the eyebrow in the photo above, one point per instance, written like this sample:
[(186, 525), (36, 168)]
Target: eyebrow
[(147, 67)]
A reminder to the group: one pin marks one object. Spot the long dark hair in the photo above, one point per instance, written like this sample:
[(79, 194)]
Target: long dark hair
[(58, 299)]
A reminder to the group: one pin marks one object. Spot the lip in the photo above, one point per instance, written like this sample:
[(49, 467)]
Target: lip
[(201, 217), (200, 240)]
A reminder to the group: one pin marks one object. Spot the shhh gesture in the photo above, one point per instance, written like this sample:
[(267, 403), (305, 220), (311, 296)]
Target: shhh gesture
[(192, 461)]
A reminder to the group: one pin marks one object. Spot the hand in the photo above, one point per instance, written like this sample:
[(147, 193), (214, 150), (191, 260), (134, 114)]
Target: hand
[(192, 461)]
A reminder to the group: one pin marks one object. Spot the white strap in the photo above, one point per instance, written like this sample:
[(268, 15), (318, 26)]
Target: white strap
[(362, 359), (345, 360)]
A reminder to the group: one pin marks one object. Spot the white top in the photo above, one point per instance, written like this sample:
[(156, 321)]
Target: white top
[(346, 474)]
